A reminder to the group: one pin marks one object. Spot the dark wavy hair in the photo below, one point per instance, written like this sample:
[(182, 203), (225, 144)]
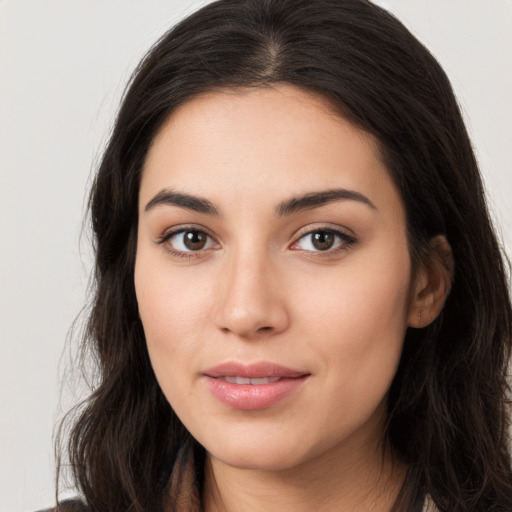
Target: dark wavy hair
[(448, 404)]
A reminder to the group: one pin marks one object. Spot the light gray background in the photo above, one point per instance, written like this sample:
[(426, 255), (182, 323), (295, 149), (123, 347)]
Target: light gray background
[(63, 65)]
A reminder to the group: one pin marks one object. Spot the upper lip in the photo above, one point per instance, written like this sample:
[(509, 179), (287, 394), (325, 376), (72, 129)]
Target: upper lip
[(253, 370)]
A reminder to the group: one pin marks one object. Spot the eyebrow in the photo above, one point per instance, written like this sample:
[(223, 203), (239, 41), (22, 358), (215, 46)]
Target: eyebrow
[(187, 201), (305, 202), (318, 199)]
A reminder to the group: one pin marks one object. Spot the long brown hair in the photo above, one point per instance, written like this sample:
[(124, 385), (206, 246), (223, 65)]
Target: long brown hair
[(448, 408)]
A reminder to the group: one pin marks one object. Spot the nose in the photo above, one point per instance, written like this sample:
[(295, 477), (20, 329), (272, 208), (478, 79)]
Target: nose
[(251, 302)]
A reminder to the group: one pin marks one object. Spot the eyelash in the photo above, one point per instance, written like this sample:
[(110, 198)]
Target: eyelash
[(344, 241), (183, 254)]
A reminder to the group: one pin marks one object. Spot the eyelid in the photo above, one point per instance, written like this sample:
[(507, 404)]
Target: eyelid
[(346, 235), (327, 226), (175, 230)]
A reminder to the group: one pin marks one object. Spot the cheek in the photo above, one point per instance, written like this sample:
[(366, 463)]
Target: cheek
[(359, 322), (169, 298), (172, 311), (359, 327)]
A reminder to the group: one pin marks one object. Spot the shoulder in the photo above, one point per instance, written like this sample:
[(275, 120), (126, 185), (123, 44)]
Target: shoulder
[(74, 505)]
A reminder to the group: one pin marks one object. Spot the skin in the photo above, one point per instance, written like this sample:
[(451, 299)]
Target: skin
[(259, 290)]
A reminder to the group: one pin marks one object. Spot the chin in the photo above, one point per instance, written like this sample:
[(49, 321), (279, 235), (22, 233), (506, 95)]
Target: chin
[(271, 455), (257, 461)]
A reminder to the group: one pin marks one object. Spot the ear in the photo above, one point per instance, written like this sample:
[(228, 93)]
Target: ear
[(431, 284)]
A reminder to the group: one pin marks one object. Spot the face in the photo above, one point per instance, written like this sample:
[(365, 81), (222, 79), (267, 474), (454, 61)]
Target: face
[(272, 277)]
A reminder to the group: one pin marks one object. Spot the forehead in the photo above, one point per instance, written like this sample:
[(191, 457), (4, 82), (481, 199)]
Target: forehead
[(268, 141)]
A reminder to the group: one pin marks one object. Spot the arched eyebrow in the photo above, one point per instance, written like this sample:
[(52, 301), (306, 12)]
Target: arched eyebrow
[(318, 199), (305, 202), (170, 197)]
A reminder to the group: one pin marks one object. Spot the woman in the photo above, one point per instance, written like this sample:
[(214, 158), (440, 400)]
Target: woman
[(301, 303)]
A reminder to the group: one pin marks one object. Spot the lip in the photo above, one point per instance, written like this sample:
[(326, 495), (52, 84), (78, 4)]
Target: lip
[(253, 396)]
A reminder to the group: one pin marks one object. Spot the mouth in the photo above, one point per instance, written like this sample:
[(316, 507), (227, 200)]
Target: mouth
[(249, 381), (255, 386), (254, 371)]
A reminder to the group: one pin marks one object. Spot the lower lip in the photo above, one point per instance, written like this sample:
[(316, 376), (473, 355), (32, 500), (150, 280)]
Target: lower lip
[(252, 397)]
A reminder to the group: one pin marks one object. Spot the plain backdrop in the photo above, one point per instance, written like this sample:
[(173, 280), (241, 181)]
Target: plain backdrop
[(63, 66)]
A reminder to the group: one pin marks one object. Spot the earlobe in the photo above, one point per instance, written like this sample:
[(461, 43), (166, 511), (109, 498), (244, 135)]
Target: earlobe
[(432, 284)]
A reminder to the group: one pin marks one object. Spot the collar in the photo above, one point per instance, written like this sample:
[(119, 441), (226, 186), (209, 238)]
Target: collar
[(183, 494)]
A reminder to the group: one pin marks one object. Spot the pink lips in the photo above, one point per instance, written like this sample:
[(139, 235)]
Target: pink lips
[(254, 386)]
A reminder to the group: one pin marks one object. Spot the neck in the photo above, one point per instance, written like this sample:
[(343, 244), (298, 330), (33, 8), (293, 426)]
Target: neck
[(364, 482)]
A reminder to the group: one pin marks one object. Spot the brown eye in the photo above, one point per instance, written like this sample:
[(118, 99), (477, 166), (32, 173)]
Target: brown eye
[(188, 241), (194, 240), (322, 240)]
